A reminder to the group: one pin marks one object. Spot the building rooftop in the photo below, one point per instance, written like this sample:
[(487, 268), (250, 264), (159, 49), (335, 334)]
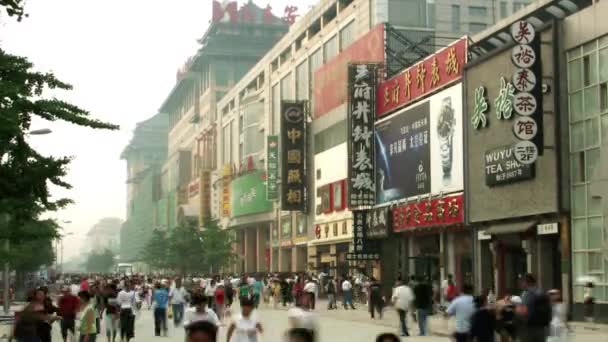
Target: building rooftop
[(149, 134)]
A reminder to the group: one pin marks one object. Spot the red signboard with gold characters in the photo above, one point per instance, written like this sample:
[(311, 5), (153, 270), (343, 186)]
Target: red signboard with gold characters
[(425, 77), (436, 212)]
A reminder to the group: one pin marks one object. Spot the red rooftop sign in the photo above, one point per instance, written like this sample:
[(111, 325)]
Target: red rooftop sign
[(423, 78)]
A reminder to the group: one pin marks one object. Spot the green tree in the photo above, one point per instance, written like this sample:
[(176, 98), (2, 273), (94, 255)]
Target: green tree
[(186, 253), (216, 246), (25, 175), (101, 262), (155, 252)]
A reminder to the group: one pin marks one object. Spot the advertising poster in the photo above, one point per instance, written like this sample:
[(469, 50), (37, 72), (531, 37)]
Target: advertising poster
[(249, 195), (447, 162), (403, 154)]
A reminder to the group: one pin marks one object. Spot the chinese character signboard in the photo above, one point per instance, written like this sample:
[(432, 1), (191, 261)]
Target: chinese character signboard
[(361, 117), (363, 249), (425, 77), (527, 100), (205, 199), (419, 150), (293, 156), (272, 167), (502, 167), (378, 223), (427, 213), (225, 197), (249, 195)]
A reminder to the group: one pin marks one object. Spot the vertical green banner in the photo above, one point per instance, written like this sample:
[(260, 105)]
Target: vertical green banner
[(272, 167)]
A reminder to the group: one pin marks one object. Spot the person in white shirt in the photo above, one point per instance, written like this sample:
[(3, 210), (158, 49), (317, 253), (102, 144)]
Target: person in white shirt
[(200, 312), (126, 301), (310, 289), (347, 292), (402, 300), (245, 327), (210, 292), (301, 317), (177, 299)]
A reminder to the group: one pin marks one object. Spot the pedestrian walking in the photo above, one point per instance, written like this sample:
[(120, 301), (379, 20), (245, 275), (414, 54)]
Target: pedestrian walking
[(376, 303), (161, 300), (68, 308), (402, 299), (463, 308), (331, 294), (178, 299), (210, 292), (126, 301), (245, 326), (200, 312), (258, 290), (112, 312), (88, 326), (347, 292), (559, 323), (423, 302), (202, 332), (483, 321), (310, 290), (588, 302), (31, 322), (275, 289), (536, 312), (220, 301)]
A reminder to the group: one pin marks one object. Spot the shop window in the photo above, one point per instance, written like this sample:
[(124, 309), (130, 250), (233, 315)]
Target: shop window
[(575, 75)]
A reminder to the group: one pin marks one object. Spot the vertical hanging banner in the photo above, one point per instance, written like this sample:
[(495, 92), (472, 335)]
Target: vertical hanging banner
[(361, 115), (272, 167), (293, 156), (363, 249)]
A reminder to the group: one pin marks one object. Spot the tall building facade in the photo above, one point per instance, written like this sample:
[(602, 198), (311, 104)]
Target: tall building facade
[(105, 234), (144, 156)]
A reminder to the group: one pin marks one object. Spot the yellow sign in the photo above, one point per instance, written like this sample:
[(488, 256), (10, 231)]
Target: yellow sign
[(225, 198)]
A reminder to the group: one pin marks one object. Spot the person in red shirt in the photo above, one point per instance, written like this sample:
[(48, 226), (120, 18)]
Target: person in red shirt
[(84, 284), (220, 303), (68, 307)]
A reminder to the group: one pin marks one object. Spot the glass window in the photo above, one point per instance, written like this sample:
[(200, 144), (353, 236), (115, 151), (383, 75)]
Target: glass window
[(330, 48), (517, 6), (574, 53), (330, 137), (605, 129), (579, 234), (456, 18), (592, 158), (595, 263), (227, 144), (592, 133), (478, 11), (575, 76), (580, 264), (589, 47), (477, 27), (604, 97), (577, 161), (595, 233), (503, 9), (407, 13), (577, 136), (302, 81), (287, 88), (590, 69), (603, 63), (604, 41), (276, 108), (592, 101), (316, 60), (579, 201), (576, 106), (594, 202), (347, 35)]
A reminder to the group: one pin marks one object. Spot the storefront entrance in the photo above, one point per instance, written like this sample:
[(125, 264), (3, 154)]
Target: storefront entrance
[(426, 267)]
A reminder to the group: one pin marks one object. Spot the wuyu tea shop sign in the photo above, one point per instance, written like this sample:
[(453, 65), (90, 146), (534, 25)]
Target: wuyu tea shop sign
[(527, 98)]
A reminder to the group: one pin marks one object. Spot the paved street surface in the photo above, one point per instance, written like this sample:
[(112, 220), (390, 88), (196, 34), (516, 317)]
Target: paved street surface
[(335, 326)]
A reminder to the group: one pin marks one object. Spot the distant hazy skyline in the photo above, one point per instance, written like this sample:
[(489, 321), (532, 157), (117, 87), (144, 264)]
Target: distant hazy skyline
[(121, 56)]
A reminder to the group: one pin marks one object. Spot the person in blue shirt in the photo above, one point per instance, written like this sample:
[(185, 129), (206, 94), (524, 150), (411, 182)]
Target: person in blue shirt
[(463, 308), (160, 299)]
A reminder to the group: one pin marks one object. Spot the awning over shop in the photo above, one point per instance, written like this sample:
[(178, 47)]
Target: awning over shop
[(511, 227)]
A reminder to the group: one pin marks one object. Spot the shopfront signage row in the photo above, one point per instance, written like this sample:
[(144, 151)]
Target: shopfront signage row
[(440, 211), (425, 77)]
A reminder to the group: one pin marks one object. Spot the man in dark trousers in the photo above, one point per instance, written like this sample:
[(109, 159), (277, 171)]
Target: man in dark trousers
[(423, 302), (535, 311), (375, 298)]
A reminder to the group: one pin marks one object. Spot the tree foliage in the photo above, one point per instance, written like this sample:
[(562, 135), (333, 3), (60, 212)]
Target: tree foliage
[(101, 262), (14, 8), (187, 249)]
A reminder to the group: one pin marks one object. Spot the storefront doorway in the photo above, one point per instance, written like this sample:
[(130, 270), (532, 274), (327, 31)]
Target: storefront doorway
[(512, 266), (426, 267)]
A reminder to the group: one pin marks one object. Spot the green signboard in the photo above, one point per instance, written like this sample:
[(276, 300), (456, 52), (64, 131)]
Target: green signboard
[(272, 168), (248, 195)]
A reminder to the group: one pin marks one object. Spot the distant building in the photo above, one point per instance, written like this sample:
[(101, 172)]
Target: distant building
[(105, 234), (145, 155)]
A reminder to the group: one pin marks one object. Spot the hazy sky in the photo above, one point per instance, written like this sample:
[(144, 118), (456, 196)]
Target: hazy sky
[(121, 56)]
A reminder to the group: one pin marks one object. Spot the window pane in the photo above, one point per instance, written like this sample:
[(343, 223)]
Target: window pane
[(590, 46), (579, 234), (503, 9), (302, 81), (594, 202), (477, 27), (592, 133), (577, 167), (576, 106), (590, 69), (579, 201), (456, 18), (577, 136), (604, 41), (575, 79), (347, 35), (330, 48), (605, 129), (595, 262), (580, 264), (410, 13), (595, 233), (276, 108), (287, 88), (592, 158), (592, 101), (478, 11), (603, 55)]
